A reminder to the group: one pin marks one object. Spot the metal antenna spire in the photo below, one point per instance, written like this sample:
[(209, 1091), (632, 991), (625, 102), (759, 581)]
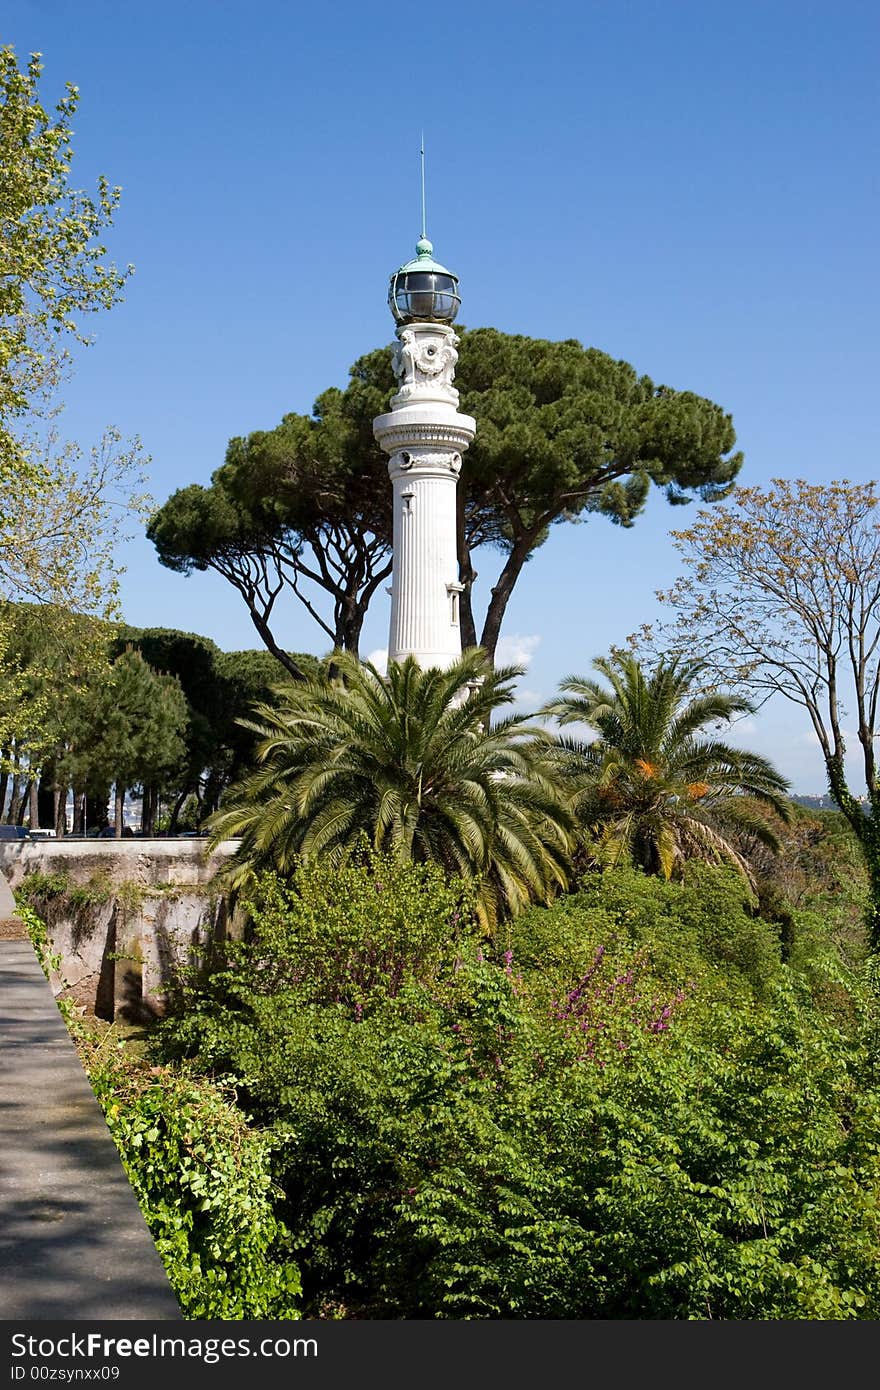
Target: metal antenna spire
[(422, 157)]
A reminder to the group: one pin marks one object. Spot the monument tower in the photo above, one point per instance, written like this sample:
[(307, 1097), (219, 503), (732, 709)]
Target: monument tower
[(425, 436)]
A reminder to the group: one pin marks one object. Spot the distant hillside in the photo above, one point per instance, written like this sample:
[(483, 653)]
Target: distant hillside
[(824, 803), (815, 803)]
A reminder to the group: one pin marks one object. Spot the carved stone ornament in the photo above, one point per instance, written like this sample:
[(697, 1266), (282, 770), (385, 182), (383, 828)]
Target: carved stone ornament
[(423, 361), (427, 461)]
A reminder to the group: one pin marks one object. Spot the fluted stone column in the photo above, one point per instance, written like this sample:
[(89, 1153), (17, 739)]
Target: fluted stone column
[(425, 436)]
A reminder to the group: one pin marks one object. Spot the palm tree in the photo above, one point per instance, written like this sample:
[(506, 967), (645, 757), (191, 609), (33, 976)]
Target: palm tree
[(650, 787), (411, 761)]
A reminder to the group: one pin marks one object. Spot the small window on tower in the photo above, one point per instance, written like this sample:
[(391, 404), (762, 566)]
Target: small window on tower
[(454, 599)]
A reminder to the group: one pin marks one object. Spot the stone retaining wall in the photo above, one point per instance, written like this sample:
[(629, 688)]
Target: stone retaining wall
[(124, 914)]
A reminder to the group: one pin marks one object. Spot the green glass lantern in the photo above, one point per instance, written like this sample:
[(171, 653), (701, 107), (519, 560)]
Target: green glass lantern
[(423, 291)]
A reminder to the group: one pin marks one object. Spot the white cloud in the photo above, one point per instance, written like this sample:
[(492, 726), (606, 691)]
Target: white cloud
[(379, 659), (741, 728), (807, 739), (524, 702), (517, 649)]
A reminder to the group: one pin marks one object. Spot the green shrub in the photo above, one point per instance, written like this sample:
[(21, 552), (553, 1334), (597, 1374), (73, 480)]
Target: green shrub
[(632, 1112), (636, 1110), (39, 889), (704, 928), (356, 933), (200, 1172), (202, 1177), (48, 957), (350, 935), (36, 886)]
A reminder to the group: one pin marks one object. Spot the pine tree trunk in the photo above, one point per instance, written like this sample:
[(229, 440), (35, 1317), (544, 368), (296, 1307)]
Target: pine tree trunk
[(501, 592), (4, 787), (59, 798), (101, 803), (466, 576), (178, 807), (119, 802), (148, 812), (45, 800), (212, 792), (33, 807), (15, 799)]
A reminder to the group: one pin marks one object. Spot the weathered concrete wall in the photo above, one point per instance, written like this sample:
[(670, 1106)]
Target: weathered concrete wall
[(124, 915)]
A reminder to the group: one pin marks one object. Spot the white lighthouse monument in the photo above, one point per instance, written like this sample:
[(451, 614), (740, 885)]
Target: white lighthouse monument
[(425, 436)]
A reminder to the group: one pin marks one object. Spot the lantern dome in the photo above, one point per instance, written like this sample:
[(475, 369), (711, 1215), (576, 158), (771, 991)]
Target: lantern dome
[(423, 291)]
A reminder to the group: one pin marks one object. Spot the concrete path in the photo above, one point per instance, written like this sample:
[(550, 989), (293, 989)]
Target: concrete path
[(73, 1242)]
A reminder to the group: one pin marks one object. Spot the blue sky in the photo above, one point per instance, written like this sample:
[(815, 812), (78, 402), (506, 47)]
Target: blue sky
[(690, 186)]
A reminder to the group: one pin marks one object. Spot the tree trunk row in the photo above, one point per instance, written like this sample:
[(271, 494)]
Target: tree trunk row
[(41, 804)]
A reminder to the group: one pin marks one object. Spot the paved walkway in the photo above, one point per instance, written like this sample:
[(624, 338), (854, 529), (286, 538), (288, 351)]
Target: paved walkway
[(73, 1242)]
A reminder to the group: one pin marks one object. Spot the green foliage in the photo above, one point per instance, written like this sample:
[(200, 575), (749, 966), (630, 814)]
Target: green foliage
[(356, 934), (52, 661), (52, 265), (62, 512), (221, 689), (193, 661), (697, 1178), (410, 761), (38, 885), (307, 502), (51, 961), (60, 699), (351, 934), (202, 528), (49, 958), (59, 541), (131, 731), (583, 1127), (587, 417), (60, 887), (564, 432), (202, 1177), (780, 591), (247, 679), (651, 786), (703, 928)]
